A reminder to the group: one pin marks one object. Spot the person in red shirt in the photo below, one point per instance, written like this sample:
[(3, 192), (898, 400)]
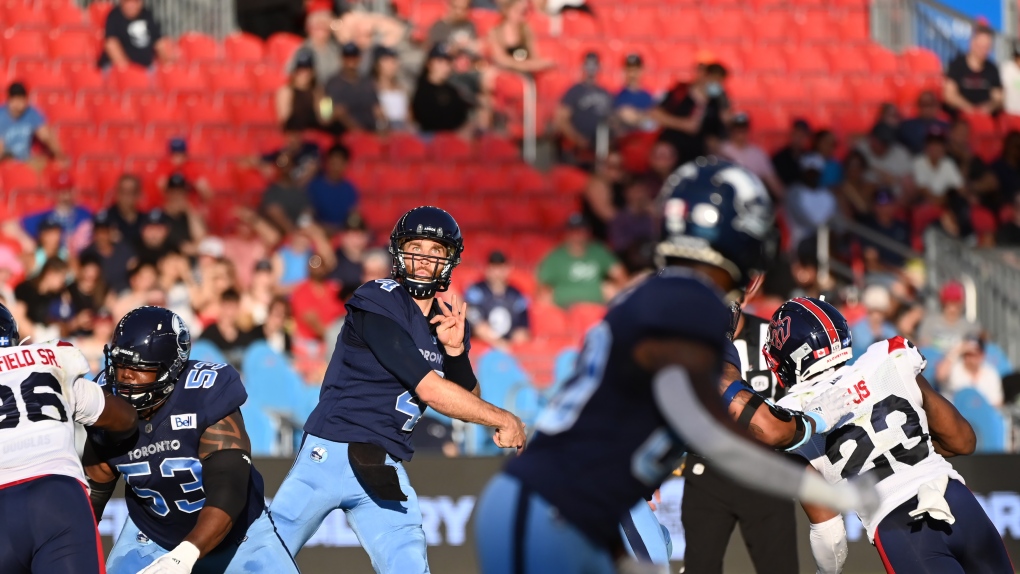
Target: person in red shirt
[(316, 302), (178, 162)]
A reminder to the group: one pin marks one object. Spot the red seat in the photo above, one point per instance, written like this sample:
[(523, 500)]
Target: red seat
[(144, 147), (181, 78), (260, 113), (492, 149), (883, 60), (268, 79), (921, 61), (730, 25), (870, 90), (513, 214), (807, 61), (231, 80), (813, 27), (21, 17), (743, 89), (847, 60), (241, 47), (782, 89), (406, 148), (195, 46), (581, 25), (548, 320), (568, 180), (827, 90), (364, 146), (67, 15), (130, 78), (102, 102), (445, 180), (84, 76), (981, 124), (448, 147), (206, 114), (281, 46), (766, 59), (75, 137), (773, 27), (584, 316), (18, 175), (98, 11), (73, 45), (24, 43), (853, 27), (528, 180)]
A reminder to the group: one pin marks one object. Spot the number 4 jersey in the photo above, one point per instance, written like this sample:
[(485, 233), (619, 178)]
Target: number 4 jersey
[(44, 401), (888, 435), (161, 464)]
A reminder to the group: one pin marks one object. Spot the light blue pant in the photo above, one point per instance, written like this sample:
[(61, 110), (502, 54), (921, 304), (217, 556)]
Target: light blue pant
[(322, 481), (544, 542), (261, 551), (643, 536)]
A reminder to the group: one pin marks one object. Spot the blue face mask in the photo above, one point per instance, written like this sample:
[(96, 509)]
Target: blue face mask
[(714, 89)]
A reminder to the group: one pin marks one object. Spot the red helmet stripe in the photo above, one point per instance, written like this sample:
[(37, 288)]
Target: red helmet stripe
[(822, 317)]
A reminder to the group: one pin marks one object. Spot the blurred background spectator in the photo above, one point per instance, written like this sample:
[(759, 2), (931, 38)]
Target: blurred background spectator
[(889, 163), (332, 196), (438, 105), (355, 102), (512, 41), (875, 325), (965, 366), (913, 131), (972, 81), (943, 331), (582, 110), (319, 48), (497, 311), (787, 160), (298, 102), (394, 95), (633, 102), (1009, 75), (693, 113), (72, 218), (21, 124), (934, 172), (741, 150), (133, 37), (575, 272), (809, 205)]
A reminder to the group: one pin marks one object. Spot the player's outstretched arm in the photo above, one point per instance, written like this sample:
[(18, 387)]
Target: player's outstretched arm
[(951, 434), (455, 402), (102, 479), (95, 407), (828, 538), (118, 416)]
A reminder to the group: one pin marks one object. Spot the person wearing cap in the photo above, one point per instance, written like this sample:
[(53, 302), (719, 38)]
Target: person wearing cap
[(935, 173), (889, 162), (133, 36), (302, 156), (582, 111), (944, 330), (349, 270), (913, 131), (72, 218), (455, 29), (786, 161), (875, 325), (497, 311), (177, 160), (155, 237), (285, 202), (186, 225), (633, 101), (333, 197), (808, 204), (742, 151), (354, 98), (691, 112), (319, 48), (972, 82), (577, 269), (512, 41), (49, 243), (965, 366), (884, 220), (438, 105), (298, 100), (115, 257), (20, 124)]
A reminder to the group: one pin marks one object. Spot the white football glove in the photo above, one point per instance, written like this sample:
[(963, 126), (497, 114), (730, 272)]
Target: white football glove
[(830, 407), (180, 560)]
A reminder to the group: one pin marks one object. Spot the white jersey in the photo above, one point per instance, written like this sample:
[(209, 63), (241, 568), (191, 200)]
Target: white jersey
[(888, 434), (44, 401)]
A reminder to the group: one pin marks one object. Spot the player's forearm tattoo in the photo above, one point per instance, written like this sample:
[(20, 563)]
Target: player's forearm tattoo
[(756, 430), (226, 434)]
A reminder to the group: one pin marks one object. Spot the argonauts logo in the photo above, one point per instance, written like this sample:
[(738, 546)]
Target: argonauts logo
[(318, 454)]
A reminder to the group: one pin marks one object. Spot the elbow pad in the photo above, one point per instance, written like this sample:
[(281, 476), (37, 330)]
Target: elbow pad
[(225, 476), (828, 545)]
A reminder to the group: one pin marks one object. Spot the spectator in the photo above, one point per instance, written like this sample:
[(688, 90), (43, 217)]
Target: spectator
[(252, 240), (691, 112), (89, 291), (808, 204), (115, 257), (49, 245), (972, 81), (1008, 234), (889, 162), (350, 256), (176, 280), (227, 333), (582, 110), (332, 195), (21, 124), (662, 160), (216, 276), (965, 367), (73, 218), (854, 192), (884, 221), (934, 172), (274, 329), (187, 226), (133, 36), (635, 223), (260, 293), (575, 271), (320, 45), (1009, 73), (497, 311), (394, 98), (943, 331), (1007, 172), (438, 105), (297, 101), (376, 264), (92, 344), (603, 195), (316, 302), (355, 102), (285, 202), (290, 262), (874, 326), (125, 215), (889, 115), (980, 182), (512, 42), (739, 149), (787, 160), (40, 299), (142, 279), (455, 29), (825, 145), (155, 243), (303, 155), (178, 161), (804, 270), (633, 102), (912, 132)]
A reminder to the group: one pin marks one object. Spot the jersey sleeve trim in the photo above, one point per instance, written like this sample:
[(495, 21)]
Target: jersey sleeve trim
[(89, 401)]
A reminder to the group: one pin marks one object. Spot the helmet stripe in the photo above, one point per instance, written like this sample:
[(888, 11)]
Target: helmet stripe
[(823, 318)]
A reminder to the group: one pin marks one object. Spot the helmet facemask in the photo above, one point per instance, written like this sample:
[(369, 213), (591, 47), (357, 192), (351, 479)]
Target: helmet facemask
[(142, 396), (423, 283)]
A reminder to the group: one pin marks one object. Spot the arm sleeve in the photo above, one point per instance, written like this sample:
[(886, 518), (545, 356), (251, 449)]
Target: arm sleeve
[(89, 401), (458, 370), (828, 545), (392, 345)]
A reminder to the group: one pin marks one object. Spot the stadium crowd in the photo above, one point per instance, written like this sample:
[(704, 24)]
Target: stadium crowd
[(279, 269)]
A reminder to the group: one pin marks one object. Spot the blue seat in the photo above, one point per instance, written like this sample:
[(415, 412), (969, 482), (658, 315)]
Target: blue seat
[(205, 351), (933, 356), (506, 385), (562, 369), (989, 424), (995, 356), (276, 395)]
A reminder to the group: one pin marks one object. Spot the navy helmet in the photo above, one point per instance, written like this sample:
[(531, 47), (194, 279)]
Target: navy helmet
[(426, 222), (9, 336), (148, 339), (806, 337), (718, 213)]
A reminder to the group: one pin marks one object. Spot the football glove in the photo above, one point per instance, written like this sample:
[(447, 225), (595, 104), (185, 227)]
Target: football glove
[(180, 560), (829, 408)]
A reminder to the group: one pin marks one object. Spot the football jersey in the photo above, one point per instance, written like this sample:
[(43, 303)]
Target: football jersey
[(602, 445), (44, 401), (888, 434), (360, 401), (161, 465)]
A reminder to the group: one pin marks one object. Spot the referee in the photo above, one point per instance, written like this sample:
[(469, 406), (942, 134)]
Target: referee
[(713, 504)]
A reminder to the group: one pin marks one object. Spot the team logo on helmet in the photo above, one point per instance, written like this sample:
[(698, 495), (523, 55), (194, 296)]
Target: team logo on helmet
[(750, 200), (183, 336), (779, 332)]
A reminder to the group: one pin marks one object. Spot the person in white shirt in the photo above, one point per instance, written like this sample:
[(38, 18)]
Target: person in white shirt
[(1009, 73), (808, 204), (935, 172), (964, 367), (889, 162)]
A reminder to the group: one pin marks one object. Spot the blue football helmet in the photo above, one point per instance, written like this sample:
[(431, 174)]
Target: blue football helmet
[(718, 213), (148, 339), (9, 336), (426, 222), (806, 337)]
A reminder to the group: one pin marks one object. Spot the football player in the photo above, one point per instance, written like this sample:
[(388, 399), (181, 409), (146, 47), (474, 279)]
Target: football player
[(194, 500), (645, 385), (900, 431), (400, 351), (46, 522)]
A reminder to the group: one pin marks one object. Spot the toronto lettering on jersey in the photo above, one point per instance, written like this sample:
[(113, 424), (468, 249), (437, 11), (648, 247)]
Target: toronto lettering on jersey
[(431, 356), (24, 358), (161, 446)]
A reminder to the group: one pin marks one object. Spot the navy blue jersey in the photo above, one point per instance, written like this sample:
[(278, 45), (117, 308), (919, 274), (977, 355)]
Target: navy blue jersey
[(503, 313), (161, 464), (602, 444), (360, 400)]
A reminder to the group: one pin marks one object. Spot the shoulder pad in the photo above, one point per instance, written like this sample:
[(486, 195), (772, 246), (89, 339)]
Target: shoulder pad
[(382, 296), (70, 359), (215, 390), (903, 349)]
